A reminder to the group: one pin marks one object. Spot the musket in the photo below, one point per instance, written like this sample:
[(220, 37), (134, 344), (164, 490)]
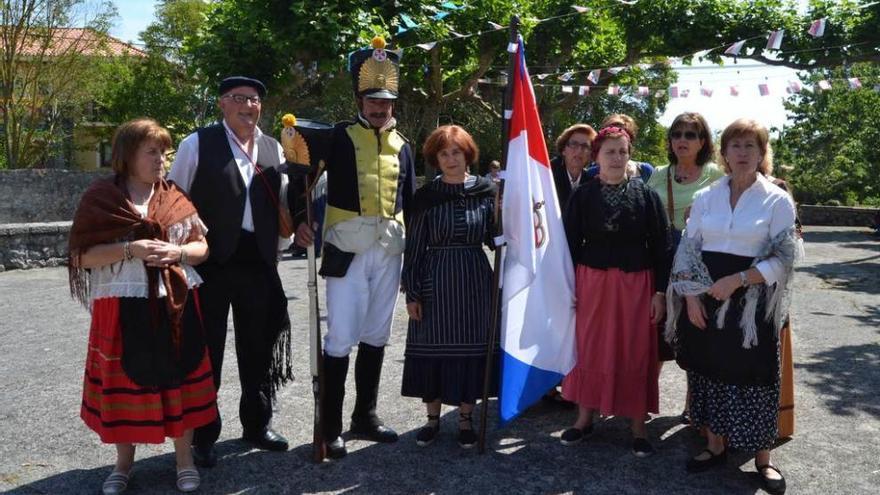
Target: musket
[(316, 355)]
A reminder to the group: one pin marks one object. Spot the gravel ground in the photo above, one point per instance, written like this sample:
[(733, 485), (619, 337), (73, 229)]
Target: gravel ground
[(47, 449)]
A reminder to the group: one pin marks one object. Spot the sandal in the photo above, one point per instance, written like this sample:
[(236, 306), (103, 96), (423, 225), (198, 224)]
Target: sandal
[(770, 485), (188, 480), (467, 438), (427, 434), (116, 483), (695, 465)]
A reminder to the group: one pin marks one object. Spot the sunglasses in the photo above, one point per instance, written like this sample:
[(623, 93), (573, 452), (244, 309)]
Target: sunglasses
[(689, 135)]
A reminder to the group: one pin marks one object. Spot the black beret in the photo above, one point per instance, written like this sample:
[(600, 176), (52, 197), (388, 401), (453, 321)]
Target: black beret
[(238, 81)]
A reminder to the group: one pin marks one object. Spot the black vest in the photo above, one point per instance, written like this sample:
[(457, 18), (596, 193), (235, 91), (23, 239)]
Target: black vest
[(219, 193)]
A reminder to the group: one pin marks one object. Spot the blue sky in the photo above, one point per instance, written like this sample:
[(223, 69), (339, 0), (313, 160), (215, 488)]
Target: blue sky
[(720, 109)]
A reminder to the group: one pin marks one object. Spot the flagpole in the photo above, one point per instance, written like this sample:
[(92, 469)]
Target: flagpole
[(499, 230)]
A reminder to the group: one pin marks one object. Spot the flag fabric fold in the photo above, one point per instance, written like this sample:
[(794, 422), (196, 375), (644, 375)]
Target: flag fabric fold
[(537, 305)]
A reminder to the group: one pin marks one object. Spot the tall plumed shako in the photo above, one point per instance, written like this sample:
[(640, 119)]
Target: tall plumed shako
[(375, 70)]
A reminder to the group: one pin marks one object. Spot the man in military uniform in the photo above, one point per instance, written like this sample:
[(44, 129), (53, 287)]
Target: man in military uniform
[(370, 183)]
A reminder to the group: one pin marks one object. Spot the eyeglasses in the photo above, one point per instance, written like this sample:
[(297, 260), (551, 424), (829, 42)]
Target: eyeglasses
[(241, 99), (580, 146), (689, 135)]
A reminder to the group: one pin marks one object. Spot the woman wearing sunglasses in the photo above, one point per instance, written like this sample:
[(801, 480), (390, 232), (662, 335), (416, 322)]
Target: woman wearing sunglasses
[(690, 150)]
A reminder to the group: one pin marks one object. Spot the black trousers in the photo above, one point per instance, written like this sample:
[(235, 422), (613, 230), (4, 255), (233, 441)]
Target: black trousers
[(248, 285)]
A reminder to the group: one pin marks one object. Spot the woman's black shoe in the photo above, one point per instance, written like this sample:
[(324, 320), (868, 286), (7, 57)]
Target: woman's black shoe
[(466, 436), (574, 436), (641, 447), (428, 433), (695, 465), (685, 417), (770, 485)]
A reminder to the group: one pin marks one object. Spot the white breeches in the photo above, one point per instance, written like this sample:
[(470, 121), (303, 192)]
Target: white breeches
[(361, 304)]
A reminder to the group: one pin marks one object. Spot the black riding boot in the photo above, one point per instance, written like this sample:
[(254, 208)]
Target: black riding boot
[(335, 371), (367, 371)]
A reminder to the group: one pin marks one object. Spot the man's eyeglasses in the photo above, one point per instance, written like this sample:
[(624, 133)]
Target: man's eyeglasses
[(580, 146), (241, 99), (689, 135)]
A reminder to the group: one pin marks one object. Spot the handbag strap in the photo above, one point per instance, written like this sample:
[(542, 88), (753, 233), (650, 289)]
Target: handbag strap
[(670, 203)]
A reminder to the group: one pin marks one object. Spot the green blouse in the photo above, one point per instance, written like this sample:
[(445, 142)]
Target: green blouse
[(682, 194)]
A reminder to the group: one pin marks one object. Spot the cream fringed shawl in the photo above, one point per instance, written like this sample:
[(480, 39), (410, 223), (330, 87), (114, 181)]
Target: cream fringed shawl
[(690, 277)]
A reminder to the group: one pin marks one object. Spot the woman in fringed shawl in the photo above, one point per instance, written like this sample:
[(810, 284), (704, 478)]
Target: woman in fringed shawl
[(133, 242), (448, 285), (733, 274)]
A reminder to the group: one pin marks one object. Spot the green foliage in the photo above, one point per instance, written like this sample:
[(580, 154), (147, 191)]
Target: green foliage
[(832, 145)]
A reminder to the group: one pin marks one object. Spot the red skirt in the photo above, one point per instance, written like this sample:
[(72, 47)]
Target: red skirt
[(121, 411), (616, 370)]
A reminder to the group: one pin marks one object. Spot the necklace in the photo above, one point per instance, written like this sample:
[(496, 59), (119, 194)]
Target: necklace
[(681, 177)]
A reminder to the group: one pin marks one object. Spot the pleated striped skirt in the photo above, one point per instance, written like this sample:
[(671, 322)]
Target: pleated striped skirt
[(121, 411)]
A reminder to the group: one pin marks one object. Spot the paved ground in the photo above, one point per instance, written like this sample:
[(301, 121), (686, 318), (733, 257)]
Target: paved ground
[(47, 449)]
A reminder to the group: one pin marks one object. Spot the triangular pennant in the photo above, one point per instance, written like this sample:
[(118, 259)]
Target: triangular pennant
[(854, 83), (764, 89), (566, 77), (579, 9), (735, 48), (584, 90), (707, 92), (455, 34), (614, 90), (593, 77), (643, 91), (495, 25), (794, 87), (542, 76), (450, 6), (440, 15), (824, 85), (774, 42), (817, 28), (408, 22), (427, 46), (615, 70), (568, 89), (734, 91)]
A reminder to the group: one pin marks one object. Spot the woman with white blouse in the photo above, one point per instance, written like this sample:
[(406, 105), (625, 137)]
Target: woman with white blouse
[(732, 276)]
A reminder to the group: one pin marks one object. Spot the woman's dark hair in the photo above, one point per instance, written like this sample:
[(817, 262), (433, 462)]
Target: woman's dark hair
[(692, 119)]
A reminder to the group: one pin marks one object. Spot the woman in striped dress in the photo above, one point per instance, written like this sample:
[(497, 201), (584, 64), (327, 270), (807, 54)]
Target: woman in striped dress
[(133, 242), (448, 280)]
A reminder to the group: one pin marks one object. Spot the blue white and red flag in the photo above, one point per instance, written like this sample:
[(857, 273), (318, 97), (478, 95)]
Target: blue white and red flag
[(537, 312)]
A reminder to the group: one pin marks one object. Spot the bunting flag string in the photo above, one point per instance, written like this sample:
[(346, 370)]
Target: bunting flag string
[(568, 76)]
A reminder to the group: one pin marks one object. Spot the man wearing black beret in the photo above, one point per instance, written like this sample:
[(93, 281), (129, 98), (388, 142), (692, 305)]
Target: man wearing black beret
[(231, 170)]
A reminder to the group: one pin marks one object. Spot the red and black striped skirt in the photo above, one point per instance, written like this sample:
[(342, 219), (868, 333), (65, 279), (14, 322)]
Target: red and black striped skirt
[(121, 411)]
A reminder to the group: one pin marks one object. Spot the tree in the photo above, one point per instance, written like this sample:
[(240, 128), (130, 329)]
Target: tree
[(299, 48), (832, 144), (47, 74), (164, 85)]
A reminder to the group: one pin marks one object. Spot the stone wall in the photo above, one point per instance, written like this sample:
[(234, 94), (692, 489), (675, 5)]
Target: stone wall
[(843, 216), (33, 245), (42, 195)]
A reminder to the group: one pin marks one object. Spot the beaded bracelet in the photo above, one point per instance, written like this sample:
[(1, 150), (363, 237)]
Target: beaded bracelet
[(126, 251), (182, 256)]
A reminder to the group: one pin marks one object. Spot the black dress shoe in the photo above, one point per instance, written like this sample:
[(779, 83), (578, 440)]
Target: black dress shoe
[(770, 485), (267, 439), (375, 432), (695, 465), (204, 456), (336, 449)]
